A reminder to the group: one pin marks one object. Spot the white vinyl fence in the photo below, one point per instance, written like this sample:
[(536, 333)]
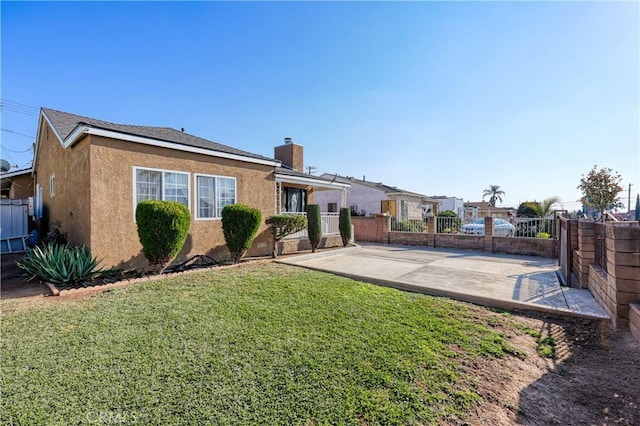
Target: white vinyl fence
[(14, 225), (330, 225)]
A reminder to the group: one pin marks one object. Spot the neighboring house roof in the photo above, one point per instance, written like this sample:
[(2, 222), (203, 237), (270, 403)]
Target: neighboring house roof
[(15, 173), (389, 190), (484, 205), (70, 128), (444, 197), (286, 174)]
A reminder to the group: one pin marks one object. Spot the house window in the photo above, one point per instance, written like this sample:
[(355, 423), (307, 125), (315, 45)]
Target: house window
[(332, 207), (295, 199), (152, 184), (404, 210), (213, 193), (52, 185)]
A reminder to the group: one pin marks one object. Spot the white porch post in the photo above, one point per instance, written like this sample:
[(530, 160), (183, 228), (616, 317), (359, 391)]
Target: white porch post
[(343, 197)]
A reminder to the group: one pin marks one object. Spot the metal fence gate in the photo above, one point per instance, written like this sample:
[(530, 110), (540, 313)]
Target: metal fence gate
[(564, 251), (14, 225)]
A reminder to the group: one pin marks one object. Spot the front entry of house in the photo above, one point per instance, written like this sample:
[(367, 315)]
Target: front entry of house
[(295, 199)]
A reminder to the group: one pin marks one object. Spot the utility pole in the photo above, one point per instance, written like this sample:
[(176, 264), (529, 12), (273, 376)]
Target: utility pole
[(310, 169), (629, 203)]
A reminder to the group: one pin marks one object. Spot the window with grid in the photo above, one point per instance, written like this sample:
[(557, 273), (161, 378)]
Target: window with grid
[(213, 194), (162, 185)]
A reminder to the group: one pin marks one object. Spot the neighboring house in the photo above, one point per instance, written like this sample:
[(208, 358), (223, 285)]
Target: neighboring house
[(17, 184), (368, 198), (475, 210), (453, 204), (91, 174)]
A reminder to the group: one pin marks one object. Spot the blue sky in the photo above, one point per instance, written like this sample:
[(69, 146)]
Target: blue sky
[(439, 98)]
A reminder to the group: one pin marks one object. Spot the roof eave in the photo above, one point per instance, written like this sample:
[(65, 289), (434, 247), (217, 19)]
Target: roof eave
[(15, 173), (282, 178), (83, 129)]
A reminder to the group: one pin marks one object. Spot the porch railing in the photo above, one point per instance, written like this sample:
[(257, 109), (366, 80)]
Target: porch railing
[(330, 225)]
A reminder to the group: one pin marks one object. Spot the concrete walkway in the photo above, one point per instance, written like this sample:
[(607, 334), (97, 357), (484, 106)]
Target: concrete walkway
[(508, 281)]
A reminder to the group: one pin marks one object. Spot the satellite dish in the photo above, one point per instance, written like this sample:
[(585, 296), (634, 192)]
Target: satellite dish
[(5, 166)]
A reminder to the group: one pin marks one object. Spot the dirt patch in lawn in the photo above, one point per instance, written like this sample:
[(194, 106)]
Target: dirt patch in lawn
[(594, 378)]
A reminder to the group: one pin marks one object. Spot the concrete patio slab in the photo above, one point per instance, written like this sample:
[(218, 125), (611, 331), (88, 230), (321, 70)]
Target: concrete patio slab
[(508, 281)]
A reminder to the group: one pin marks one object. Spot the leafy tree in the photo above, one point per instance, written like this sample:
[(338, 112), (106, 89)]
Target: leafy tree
[(540, 209), (528, 209), (240, 225), (600, 189), (494, 193), (162, 230), (282, 225)]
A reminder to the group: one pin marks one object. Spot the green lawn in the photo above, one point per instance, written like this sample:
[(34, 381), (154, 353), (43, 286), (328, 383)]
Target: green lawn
[(258, 344)]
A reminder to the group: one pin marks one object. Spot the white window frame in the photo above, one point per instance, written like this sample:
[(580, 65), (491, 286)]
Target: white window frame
[(52, 185), (135, 186), (197, 193)]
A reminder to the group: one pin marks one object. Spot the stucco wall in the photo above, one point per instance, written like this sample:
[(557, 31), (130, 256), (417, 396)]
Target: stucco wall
[(70, 206), (114, 235), (363, 197), (454, 204), (21, 187)]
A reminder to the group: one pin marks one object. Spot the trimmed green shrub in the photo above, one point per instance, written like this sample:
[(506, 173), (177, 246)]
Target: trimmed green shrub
[(162, 230), (314, 225), (282, 225), (240, 225), (60, 264), (409, 225), (344, 225)]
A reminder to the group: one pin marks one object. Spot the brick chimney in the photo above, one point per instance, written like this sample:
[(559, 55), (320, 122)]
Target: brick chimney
[(290, 154)]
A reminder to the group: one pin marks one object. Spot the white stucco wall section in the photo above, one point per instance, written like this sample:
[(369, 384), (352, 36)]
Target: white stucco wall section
[(453, 204), (363, 197)]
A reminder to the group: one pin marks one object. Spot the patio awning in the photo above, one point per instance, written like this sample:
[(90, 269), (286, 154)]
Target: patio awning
[(320, 184)]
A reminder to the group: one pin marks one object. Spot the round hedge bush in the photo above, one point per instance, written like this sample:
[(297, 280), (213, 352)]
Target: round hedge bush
[(162, 230), (240, 225)]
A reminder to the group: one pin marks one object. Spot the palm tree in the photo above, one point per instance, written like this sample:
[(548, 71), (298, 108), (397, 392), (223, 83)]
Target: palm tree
[(545, 207), (495, 193)]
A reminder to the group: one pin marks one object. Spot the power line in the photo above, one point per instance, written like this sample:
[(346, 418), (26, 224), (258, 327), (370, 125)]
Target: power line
[(11, 106), (16, 133), (7, 102), (19, 152)]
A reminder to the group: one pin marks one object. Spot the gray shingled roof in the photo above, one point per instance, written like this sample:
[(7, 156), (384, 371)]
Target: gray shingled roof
[(377, 185), (65, 122)]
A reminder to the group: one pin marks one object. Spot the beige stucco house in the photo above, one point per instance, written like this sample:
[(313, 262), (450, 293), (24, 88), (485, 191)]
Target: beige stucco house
[(474, 210), (90, 174)]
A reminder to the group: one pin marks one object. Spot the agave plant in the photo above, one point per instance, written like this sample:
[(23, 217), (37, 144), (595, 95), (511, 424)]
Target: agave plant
[(60, 264)]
